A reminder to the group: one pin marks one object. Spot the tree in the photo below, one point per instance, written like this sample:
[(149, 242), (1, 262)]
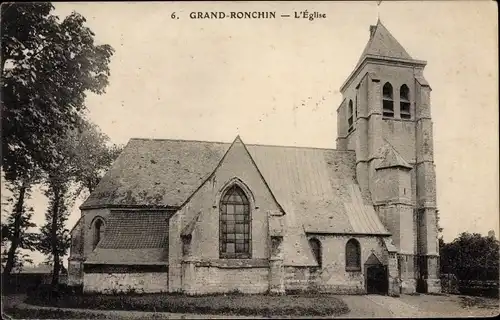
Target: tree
[(47, 67), (54, 239), (94, 154), (472, 257), (16, 230), (84, 157)]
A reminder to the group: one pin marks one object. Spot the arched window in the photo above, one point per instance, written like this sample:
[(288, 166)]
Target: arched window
[(404, 102), (316, 250), (350, 116), (98, 232), (387, 101), (353, 255), (235, 232)]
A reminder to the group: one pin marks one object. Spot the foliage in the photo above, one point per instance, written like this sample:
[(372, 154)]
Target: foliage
[(471, 257), (28, 238), (93, 156), (47, 67)]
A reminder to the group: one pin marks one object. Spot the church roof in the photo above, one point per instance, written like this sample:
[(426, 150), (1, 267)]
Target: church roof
[(383, 44), (133, 238), (315, 187)]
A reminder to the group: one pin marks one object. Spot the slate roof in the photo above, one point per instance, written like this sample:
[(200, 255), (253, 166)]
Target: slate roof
[(383, 44), (315, 187), (133, 238), (156, 173)]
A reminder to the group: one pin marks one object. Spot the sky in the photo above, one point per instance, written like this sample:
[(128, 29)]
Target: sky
[(277, 82)]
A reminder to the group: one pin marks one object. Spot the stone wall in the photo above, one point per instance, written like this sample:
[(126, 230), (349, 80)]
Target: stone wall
[(333, 276), (123, 282), (199, 269), (212, 279)]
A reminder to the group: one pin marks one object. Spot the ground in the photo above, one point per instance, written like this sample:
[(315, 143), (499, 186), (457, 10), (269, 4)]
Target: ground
[(367, 306)]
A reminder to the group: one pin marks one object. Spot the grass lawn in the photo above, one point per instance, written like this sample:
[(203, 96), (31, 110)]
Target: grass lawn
[(235, 304), (20, 313)]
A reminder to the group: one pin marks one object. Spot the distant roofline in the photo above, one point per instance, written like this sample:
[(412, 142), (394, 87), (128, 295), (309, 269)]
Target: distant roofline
[(379, 59), (247, 144)]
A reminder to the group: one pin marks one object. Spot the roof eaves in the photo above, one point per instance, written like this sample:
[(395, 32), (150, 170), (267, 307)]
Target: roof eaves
[(374, 58), (83, 205), (129, 206), (76, 224)]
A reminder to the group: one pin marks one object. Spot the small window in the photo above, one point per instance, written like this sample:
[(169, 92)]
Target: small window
[(235, 231), (353, 255), (387, 101), (316, 250), (404, 102), (98, 232), (350, 117), (356, 106)]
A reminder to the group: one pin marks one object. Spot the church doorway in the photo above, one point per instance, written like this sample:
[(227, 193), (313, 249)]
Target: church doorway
[(376, 276)]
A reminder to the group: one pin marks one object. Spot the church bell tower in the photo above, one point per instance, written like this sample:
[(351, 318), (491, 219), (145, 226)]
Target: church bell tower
[(385, 117)]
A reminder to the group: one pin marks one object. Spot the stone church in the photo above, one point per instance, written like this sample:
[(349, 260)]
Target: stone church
[(203, 217)]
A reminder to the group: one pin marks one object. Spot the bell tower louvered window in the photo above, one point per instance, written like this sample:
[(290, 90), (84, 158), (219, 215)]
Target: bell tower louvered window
[(387, 101), (404, 102)]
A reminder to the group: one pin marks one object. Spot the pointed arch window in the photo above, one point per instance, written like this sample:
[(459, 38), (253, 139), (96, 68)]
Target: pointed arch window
[(235, 231), (387, 101), (315, 245), (350, 117), (353, 255), (98, 232), (404, 102)]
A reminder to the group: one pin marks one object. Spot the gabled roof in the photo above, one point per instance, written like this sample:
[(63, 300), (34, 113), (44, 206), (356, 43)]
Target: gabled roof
[(392, 159), (372, 260), (315, 187), (383, 44)]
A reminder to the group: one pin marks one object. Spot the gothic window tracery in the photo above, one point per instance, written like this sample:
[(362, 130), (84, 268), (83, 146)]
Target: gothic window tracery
[(235, 231)]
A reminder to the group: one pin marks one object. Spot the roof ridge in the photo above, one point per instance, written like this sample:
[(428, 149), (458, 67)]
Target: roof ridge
[(179, 140), (247, 144)]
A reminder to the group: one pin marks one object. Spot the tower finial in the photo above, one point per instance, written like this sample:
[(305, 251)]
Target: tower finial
[(378, 10)]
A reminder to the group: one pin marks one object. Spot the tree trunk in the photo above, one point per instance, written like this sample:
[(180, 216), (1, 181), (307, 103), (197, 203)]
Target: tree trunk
[(15, 239), (55, 251)]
